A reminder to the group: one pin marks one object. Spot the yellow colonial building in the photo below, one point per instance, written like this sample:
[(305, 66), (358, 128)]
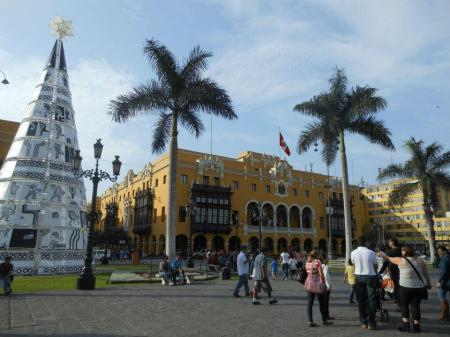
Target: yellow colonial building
[(407, 222), (222, 201), (8, 131)]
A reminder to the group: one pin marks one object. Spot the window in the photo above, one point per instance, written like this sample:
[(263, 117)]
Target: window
[(182, 214), (307, 193), (216, 181), (156, 182), (164, 179), (154, 215), (334, 196), (205, 180), (294, 192), (235, 185), (322, 222), (321, 195), (184, 179), (253, 187), (341, 196), (163, 214), (268, 188)]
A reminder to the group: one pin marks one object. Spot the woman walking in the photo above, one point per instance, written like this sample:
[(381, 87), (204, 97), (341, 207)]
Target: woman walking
[(315, 286), (414, 282), (327, 277)]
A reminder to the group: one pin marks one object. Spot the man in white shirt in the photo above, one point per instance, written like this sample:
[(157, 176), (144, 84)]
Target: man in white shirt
[(284, 260), (365, 262), (242, 269)]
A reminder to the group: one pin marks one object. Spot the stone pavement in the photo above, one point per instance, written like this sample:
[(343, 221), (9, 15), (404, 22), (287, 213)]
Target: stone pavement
[(202, 309)]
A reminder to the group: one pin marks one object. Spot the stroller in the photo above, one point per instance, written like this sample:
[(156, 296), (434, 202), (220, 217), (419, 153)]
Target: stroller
[(383, 314)]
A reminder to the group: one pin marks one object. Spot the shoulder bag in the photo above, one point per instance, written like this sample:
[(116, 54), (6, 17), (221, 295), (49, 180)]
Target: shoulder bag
[(424, 292)]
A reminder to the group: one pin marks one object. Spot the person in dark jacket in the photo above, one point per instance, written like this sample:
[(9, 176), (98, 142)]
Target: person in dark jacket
[(6, 274), (393, 251), (443, 284)]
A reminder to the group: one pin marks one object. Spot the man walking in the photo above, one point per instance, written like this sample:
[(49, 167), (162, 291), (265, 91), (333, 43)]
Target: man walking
[(394, 273), (6, 274), (365, 261), (443, 284), (242, 269), (261, 277), (284, 260)]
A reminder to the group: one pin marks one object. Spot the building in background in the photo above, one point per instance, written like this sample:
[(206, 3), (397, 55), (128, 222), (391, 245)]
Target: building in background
[(406, 222), (222, 201), (8, 130)]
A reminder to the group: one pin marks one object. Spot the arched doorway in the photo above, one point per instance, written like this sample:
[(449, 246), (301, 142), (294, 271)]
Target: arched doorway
[(218, 243), (334, 246), (268, 242), (234, 243), (153, 245), (322, 245), (294, 217), (147, 244), (267, 215), (282, 245), (181, 244), (135, 243), (253, 214), (308, 245), (307, 217), (295, 244), (162, 244), (355, 244), (343, 247), (199, 243), (253, 244), (281, 216)]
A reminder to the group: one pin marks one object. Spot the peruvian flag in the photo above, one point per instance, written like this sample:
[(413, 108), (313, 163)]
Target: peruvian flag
[(284, 146)]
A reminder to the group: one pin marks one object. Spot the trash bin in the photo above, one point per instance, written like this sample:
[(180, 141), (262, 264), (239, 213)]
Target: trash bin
[(225, 273)]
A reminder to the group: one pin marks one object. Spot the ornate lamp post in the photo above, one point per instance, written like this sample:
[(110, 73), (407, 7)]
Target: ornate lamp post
[(86, 281), (190, 212)]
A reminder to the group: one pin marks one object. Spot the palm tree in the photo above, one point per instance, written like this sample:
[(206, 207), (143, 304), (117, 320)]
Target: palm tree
[(177, 95), (339, 111), (425, 171)]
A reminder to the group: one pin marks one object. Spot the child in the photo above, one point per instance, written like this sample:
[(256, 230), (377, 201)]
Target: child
[(274, 266), (349, 276), (327, 277)]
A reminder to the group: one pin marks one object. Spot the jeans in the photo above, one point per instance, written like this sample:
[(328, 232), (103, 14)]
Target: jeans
[(263, 284), (442, 294), (6, 283), (365, 287), (285, 267), (327, 303), (352, 293), (164, 275), (243, 281), (322, 303), (175, 273), (410, 297)]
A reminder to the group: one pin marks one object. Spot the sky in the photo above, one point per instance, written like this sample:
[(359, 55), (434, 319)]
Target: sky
[(268, 55)]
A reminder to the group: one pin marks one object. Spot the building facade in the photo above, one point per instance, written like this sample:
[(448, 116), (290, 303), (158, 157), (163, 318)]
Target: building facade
[(8, 130), (406, 222), (222, 201)]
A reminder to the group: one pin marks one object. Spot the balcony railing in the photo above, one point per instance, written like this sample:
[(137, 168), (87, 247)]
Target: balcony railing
[(272, 229), (211, 228)]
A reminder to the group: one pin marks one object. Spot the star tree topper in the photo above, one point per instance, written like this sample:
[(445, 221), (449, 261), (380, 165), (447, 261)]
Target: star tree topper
[(61, 28)]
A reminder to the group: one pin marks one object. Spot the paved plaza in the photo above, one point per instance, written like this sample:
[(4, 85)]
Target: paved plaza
[(201, 309)]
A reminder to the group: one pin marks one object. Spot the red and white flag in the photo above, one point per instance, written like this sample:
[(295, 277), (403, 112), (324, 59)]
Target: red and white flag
[(284, 146)]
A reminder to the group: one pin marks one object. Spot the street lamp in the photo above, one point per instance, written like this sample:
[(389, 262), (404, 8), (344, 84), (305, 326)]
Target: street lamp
[(190, 212), (5, 81), (86, 281)]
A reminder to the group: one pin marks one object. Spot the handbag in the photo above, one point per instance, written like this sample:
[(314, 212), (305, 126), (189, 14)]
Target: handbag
[(424, 292), (314, 283), (388, 285), (302, 275)]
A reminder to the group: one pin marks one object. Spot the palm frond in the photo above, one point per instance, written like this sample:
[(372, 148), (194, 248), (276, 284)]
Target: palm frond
[(191, 121), (417, 160), (207, 96), (441, 162), (362, 101), (316, 107), (373, 129), (338, 85), (144, 98), (432, 152), (442, 178), (400, 195), (330, 148), (309, 136), (162, 60), (394, 171), (195, 64), (161, 133)]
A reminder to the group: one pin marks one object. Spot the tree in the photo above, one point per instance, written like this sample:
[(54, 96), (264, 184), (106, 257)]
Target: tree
[(339, 111), (177, 95), (425, 170)]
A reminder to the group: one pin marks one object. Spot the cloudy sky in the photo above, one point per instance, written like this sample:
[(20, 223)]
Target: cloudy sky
[(269, 56)]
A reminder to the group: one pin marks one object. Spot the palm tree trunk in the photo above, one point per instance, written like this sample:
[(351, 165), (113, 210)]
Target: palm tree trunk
[(429, 220), (172, 186), (347, 208)]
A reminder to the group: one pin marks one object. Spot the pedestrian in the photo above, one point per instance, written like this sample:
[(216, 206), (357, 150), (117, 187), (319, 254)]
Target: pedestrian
[(177, 270), (414, 282), (393, 251), (327, 277), (315, 287), (164, 270), (365, 262), (293, 266), (261, 277), (274, 267), (443, 285), (6, 275), (349, 277), (242, 270), (284, 260)]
